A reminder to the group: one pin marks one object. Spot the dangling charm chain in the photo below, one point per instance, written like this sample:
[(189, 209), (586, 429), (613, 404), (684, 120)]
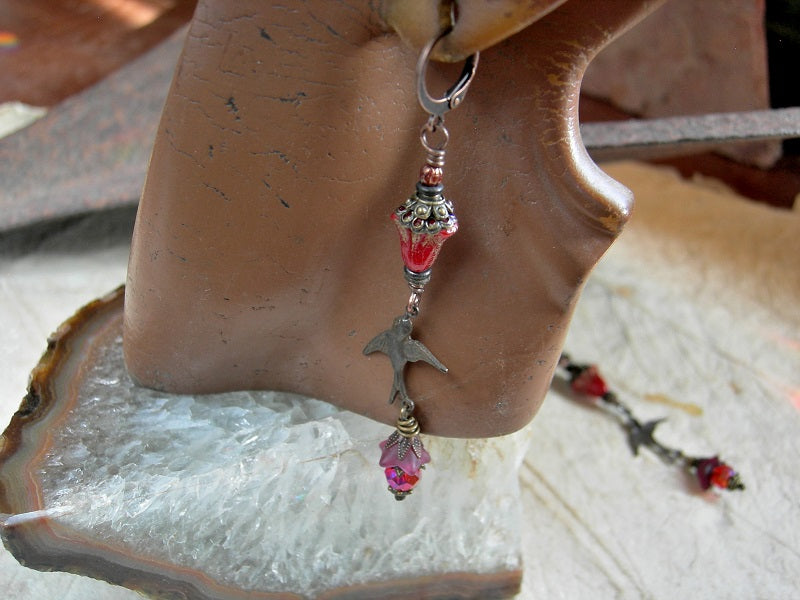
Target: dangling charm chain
[(424, 222), (708, 470)]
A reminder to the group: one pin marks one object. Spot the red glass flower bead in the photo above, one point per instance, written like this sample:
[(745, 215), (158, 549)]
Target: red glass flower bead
[(589, 382), (424, 222), (420, 249)]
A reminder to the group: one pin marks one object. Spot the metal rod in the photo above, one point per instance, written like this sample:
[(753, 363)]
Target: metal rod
[(678, 135)]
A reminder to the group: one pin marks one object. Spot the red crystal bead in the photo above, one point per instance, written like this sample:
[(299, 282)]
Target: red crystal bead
[(399, 480), (712, 471), (589, 382), (721, 476)]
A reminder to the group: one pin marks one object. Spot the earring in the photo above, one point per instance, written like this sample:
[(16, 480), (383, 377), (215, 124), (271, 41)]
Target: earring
[(425, 221)]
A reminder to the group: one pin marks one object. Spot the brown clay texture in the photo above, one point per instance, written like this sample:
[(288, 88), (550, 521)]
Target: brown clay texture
[(264, 258)]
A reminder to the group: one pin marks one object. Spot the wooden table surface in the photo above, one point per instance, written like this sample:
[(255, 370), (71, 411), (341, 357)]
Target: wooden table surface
[(56, 48)]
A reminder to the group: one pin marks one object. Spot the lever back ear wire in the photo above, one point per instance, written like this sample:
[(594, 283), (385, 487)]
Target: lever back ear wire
[(424, 222)]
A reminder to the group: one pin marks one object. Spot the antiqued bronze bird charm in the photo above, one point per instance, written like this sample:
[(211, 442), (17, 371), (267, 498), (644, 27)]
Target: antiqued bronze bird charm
[(397, 344)]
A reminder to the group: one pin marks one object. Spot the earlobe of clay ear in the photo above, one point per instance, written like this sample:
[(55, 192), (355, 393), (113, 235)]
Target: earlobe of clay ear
[(415, 21), (476, 24)]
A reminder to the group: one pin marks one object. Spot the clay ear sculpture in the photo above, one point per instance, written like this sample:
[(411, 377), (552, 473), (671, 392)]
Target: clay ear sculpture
[(264, 256)]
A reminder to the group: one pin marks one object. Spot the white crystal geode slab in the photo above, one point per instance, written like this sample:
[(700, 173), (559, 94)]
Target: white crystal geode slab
[(262, 492)]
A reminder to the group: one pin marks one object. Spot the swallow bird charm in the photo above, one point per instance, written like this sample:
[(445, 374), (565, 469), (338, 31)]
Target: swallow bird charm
[(397, 344)]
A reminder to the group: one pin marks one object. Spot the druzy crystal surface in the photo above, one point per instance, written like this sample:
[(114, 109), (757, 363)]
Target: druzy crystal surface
[(266, 492)]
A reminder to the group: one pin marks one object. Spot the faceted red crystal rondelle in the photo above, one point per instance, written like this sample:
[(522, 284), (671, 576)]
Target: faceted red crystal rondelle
[(721, 476), (589, 382), (399, 480), (712, 471)]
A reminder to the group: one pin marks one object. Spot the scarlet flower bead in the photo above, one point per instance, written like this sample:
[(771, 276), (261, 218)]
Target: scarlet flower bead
[(589, 382), (420, 249), (424, 224)]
